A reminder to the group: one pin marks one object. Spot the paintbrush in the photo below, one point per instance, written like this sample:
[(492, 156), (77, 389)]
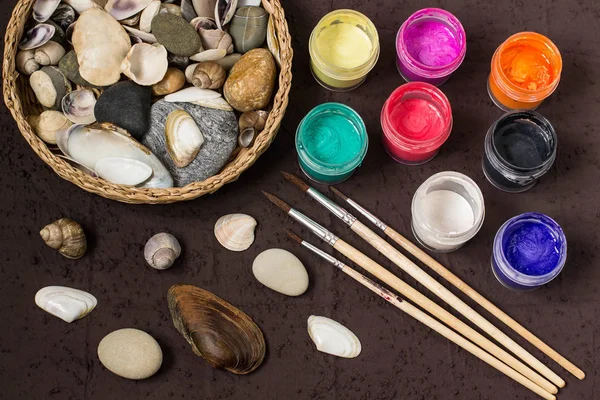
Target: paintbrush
[(425, 279), (463, 286), (424, 318), (410, 293)]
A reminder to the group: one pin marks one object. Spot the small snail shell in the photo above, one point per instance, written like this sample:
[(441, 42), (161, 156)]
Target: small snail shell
[(66, 236), (251, 123), (162, 250), (49, 53), (26, 63), (209, 75)]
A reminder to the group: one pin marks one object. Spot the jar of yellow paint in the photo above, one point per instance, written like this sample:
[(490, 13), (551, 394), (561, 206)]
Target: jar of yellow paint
[(344, 47)]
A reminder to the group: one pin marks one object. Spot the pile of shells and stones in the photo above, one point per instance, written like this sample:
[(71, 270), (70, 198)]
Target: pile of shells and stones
[(150, 93)]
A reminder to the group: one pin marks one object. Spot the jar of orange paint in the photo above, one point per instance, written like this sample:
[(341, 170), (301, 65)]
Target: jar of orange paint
[(526, 69)]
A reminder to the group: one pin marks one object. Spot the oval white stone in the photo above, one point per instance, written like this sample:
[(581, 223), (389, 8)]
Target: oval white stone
[(281, 271), (130, 353)]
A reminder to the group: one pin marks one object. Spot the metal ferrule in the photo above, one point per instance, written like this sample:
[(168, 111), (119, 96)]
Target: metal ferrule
[(376, 221), (338, 211), (315, 228), (332, 260)]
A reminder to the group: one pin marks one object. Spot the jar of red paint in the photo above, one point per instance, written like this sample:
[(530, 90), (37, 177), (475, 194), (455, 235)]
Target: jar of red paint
[(416, 120)]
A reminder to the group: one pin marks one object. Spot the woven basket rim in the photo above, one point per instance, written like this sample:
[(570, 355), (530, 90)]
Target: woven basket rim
[(14, 101)]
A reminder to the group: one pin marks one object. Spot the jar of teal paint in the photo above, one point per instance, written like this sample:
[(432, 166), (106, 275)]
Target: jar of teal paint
[(331, 142)]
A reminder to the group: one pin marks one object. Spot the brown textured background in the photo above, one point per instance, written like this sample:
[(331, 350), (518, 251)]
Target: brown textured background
[(42, 357)]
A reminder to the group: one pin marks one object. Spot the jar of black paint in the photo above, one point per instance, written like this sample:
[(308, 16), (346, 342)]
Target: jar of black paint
[(520, 147)]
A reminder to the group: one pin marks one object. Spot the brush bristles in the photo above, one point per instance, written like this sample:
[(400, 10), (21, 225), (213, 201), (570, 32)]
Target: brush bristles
[(296, 181), (293, 236), (337, 192), (278, 202)]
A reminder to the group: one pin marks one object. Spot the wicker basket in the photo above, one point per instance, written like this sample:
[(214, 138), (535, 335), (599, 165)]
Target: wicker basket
[(21, 102)]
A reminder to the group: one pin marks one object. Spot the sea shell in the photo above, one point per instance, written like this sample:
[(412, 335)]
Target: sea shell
[(49, 54), (25, 62), (209, 75), (134, 20), (235, 232), (215, 39), (183, 138), (272, 41), (251, 123), (333, 338), (204, 23), (121, 9), (148, 14), (224, 10), (204, 8), (82, 5), (172, 9), (145, 64), (246, 137), (78, 106), (48, 123), (143, 36), (37, 36), (78, 166), (69, 32), (64, 15), (43, 9), (217, 331), (191, 94), (65, 303), (209, 55), (218, 103), (66, 236), (89, 144), (162, 250), (189, 72), (123, 171)]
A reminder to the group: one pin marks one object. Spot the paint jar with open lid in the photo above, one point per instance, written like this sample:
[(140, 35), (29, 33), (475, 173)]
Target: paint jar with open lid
[(525, 70), (447, 211), (520, 148), (331, 142), (529, 251), (431, 44), (416, 120), (344, 48)]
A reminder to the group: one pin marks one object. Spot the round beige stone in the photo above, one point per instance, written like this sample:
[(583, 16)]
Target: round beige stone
[(130, 353), (281, 271)]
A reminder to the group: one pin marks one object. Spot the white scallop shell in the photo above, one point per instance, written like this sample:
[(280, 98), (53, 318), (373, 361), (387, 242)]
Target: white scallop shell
[(123, 171), (65, 303), (78, 106), (333, 338), (122, 9), (209, 55), (235, 232), (144, 36), (148, 14), (145, 64)]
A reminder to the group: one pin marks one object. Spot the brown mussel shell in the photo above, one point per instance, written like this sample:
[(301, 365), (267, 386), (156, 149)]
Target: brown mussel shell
[(217, 331)]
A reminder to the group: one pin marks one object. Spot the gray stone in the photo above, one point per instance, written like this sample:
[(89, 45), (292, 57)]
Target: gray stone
[(127, 105), (70, 67), (176, 34), (220, 132)]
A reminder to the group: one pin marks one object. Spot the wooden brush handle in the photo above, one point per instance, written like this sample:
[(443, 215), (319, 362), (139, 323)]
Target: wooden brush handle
[(425, 303), (426, 280), (482, 301)]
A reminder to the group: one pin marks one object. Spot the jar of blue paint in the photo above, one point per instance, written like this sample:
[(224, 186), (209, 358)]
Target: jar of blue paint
[(331, 142), (529, 251)]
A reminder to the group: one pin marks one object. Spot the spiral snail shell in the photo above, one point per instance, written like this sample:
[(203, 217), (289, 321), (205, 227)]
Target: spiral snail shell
[(66, 236)]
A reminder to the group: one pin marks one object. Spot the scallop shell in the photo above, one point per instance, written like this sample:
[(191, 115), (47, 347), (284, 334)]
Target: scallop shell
[(131, 21), (191, 94), (37, 36), (65, 303), (66, 236), (145, 64), (122, 9), (333, 338), (220, 333), (183, 138), (143, 36), (148, 14), (218, 103), (48, 124), (209, 55), (43, 9), (123, 171), (224, 11), (78, 106), (162, 250), (235, 232)]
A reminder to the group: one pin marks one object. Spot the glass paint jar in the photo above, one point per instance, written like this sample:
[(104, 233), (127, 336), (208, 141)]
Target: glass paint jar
[(519, 149), (447, 211), (416, 120), (525, 70), (331, 142), (344, 48), (529, 251), (430, 45)]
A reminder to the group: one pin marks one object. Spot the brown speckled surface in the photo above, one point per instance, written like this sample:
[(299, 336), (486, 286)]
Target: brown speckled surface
[(42, 357)]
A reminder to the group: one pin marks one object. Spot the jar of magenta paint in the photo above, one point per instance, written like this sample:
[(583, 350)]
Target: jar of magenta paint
[(431, 44), (525, 70), (344, 48), (447, 211), (520, 148), (331, 142), (416, 120), (529, 251)]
